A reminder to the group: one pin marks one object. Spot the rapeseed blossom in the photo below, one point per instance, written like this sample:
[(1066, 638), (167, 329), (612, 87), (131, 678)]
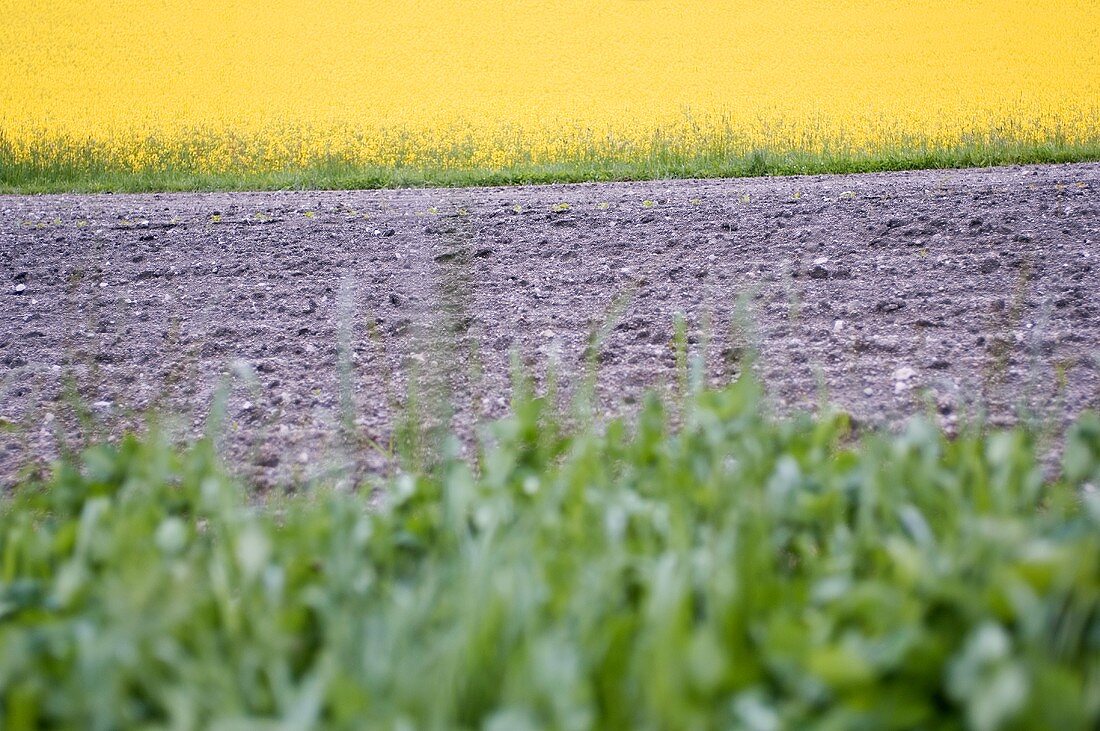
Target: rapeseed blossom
[(258, 85)]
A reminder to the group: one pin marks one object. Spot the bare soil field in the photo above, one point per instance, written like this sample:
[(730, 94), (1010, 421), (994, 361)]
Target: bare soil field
[(954, 293)]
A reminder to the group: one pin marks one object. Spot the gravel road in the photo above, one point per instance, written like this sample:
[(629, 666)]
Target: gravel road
[(955, 293)]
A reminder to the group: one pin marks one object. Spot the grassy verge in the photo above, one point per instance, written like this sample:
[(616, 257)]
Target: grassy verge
[(731, 572), (60, 169)]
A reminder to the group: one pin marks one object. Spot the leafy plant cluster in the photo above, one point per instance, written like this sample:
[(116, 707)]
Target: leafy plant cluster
[(704, 567)]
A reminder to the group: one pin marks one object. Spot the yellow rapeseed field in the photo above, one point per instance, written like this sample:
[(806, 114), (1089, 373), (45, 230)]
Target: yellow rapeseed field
[(226, 86)]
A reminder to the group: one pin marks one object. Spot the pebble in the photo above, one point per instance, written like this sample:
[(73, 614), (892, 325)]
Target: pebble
[(20, 288), (889, 306), (901, 379), (904, 373)]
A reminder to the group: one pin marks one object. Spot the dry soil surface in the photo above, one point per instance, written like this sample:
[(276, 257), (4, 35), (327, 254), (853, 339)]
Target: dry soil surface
[(956, 293)]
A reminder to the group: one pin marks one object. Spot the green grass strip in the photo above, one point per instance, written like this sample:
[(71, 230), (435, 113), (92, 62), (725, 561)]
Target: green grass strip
[(58, 169)]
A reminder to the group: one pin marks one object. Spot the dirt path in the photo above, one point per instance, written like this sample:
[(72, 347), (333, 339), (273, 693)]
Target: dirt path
[(950, 290)]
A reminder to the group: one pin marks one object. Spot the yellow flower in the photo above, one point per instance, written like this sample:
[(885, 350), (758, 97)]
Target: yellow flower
[(320, 82)]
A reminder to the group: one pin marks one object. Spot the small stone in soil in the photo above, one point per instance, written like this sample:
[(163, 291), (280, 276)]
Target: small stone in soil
[(990, 265), (889, 306), (904, 373)]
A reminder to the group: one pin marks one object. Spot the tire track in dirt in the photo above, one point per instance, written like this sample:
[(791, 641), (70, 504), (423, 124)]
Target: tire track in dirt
[(952, 292)]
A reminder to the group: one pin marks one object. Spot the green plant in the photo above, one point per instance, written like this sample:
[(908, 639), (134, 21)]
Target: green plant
[(722, 569), (51, 169)]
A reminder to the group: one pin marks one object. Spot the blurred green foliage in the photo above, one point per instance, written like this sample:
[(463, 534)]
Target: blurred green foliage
[(733, 571)]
